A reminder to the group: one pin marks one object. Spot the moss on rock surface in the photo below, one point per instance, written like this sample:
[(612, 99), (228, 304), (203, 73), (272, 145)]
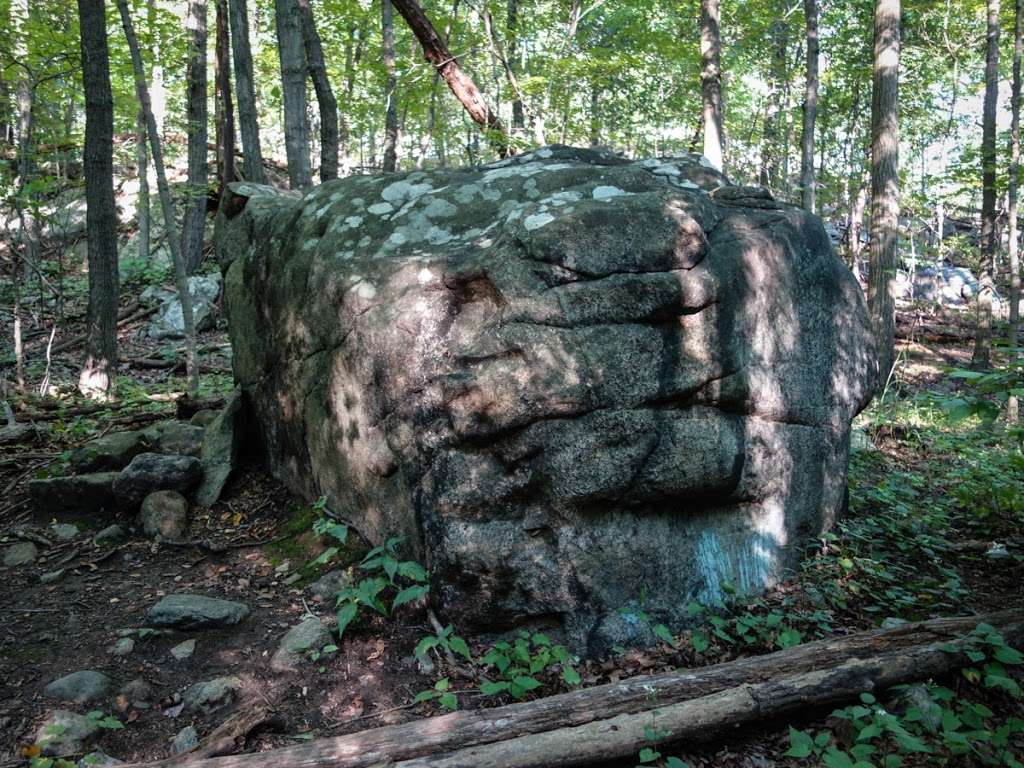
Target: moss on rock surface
[(568, 379)]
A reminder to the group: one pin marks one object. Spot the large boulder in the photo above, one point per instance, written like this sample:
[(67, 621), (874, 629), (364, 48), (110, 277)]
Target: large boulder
[(169, 322), (575, 383)]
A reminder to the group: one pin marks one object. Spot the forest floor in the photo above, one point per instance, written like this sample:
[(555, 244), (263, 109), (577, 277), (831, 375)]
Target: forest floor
[(934, 528)]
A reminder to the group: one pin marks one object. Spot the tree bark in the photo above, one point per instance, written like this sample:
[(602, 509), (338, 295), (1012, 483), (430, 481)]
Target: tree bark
[(711, 81), (325, 99), (605, 722), (461, 84), (225, 107), (1013, 408), (291, 52), (885, 193), (989, 238), (770, 175), (512, 31), (390, 161), (194, 221), (166, 205), (98, 373), (252, 155), (142, 205), (810, 112)]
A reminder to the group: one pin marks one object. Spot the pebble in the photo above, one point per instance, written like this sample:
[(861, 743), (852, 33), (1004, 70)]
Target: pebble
[(123, 647), (183, 650), (21, 553)]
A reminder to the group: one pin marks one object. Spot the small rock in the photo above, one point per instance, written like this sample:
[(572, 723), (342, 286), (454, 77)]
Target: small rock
[(108, 453), (919, 697), (186, 739), (164, 514), (99, 759), (138, 693), (83, 494), (79, 687), (211, 695), (16, 433), (123, 647), (65, 733), (861, 442), (150, 472), (222, 445), (108, 536), (292, 579), (168, 322), (182, 611), (997, 551), (310, 634), (203, 418), (331, 583), (891, 622), (64, 531), (21, 553), (184, 650), (51, 576), (181, 438)]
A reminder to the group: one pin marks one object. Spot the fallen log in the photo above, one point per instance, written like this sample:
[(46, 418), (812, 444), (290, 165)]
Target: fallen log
[(615, 720)]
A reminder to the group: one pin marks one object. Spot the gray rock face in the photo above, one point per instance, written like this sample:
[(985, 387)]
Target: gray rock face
[(569, 379), (222, 444), (211, 695), (196, 611), (330, 584), (186, 739), (181, 438), (65, 733), (149, 472), (109, 452), (89, 495), (310, 634), (20, 553), (168, 323), (164, 514), (79, 687)]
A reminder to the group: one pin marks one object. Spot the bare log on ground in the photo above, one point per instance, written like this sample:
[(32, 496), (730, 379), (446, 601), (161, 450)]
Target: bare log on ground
[(614, 720)]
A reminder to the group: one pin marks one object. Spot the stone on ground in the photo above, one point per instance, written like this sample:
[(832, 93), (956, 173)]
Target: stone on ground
[(187, 738), (184, 650), (310, 634), (203, 418), (108, 452), (79, 687), (150, 472), (181, 611), (99, 759), (164, 514), (181, 438), (169, 323), (332, 582), (568, 378), (65, 733), (20, 553), (90, 495), (11, 434), (64, 531), (108, 536), (122, 647), (222, 444), (211, 695), (138, 693)]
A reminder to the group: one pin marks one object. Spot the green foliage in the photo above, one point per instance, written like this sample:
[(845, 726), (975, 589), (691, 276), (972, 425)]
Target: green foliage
[(515, 668), (442, 693)]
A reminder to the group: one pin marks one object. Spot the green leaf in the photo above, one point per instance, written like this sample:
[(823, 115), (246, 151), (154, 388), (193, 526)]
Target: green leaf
[(409, 594), (675, 762), (1007, 655), (412, 571), (345, 616), (662, 633), (694, 608), (492, 689), (789, 638), (700, 642), (424, 645), (324, 556), (571, 676), (800, 744), (442, 685), (458, 645), (648, 755), (834, 758), (449, 701), (426, 695), (526, 683)]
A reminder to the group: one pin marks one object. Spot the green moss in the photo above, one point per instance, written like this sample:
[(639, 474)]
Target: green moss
[(301, 547)]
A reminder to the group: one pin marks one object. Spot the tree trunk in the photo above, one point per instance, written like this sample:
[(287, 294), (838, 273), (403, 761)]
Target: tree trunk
[(770, 175), (97, 376), (252, 155), (225, 107), (324, 94), (885, 193), (390, 162), (711, 81), (810, 113), (291, 52), (989, 239), (26, 144), (159, 94), (599, 724), (512, 31), (166, 205), (142, 205), (194, 221), (1012, 408), (461, 84)]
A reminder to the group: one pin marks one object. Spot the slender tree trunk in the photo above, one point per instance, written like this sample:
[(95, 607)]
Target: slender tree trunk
[(252, 156), (860, 204), (512, 31), (810, 106), (291, 51), (98, 373), (885, 193), (390, 161), (26, 142), (711, 81), (225, 107), (159, 93), (770, 175), (324, 94), (194, 222), (142, 206), (1012, 409), (166, 205), (595, 114), (461, 84), (989, 239)]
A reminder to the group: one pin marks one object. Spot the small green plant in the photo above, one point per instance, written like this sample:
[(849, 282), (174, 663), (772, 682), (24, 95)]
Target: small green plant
[(516, 665), (442, 693), (395, 583), (769, 630), (987, 649), (447, 641), (649, 757)]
